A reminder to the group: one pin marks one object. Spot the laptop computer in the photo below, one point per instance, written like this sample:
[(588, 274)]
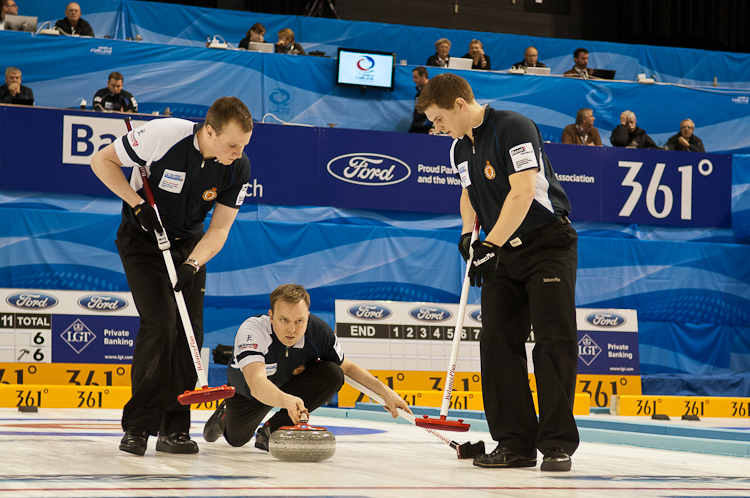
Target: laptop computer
[(20, 23), (538, 70), (260, 47), (459, 63), (604, 74)]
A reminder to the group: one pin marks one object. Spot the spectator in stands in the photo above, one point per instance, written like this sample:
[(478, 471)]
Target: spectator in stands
[(420, 123), (7, 7), (13, 92), (685, 140), (530, 59), (73, 23), (581, 69), (583, 131), (113, 97), (627, 134), (442, 54), (255, 34), (287, 45), (476, 53)]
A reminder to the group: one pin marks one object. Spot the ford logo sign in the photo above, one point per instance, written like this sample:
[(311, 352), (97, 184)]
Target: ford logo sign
[(430, 314), (31, 300), (369, 311), (102, 303), (476, 315), (369, 169), (601, 319)]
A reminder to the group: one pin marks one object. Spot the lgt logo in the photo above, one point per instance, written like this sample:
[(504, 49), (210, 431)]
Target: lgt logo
[(78, 336), (588, 350)]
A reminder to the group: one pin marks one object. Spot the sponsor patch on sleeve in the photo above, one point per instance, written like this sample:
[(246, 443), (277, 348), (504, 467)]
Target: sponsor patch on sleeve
[(241, 195), (339, 350), (523, 157), (463, 172)]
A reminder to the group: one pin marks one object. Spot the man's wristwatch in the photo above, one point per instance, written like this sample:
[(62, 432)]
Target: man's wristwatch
[(194, 264)]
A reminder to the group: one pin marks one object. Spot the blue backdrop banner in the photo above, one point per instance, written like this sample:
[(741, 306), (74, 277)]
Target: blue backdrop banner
[(304, 166), (692, 298), (181, 25), (302, 90)]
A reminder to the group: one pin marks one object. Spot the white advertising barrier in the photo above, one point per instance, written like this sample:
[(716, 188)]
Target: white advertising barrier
[(393, 335), (43, 326), (84, 136)]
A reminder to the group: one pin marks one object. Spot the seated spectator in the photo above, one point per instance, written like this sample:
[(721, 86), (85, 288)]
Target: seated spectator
[(13, 92), (254, 34), (73, 23), (442, 54), (419, 122), (113, 97), (627, 134), (7, 7), (287, 45), (685, 140), (530, 59), (583, 131), (580, 69), (476, 52)]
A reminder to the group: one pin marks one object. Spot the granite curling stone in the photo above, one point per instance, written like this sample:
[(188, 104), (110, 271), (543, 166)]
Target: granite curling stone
[(302, 443)]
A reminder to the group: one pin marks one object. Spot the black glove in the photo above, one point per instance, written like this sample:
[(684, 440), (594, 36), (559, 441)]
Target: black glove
[(484, 263), (464, 244), (185, 274), (147, 218)]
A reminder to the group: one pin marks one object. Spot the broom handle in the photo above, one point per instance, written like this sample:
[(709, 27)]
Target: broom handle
[(450, 376)]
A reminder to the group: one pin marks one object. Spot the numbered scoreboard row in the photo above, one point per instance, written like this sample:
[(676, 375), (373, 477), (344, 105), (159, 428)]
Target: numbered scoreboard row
[(405, 332), (25, 337)]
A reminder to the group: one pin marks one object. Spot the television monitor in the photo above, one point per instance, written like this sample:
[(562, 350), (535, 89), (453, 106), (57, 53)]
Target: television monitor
[(20, 23), (365, 69)]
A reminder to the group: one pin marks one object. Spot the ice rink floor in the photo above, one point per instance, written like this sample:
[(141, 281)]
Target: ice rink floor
[(74, 452)]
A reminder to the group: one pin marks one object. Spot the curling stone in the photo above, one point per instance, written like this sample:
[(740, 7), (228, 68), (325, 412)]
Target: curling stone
[(302, 443)]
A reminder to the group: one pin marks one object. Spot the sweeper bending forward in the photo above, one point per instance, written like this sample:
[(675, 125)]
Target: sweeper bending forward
[(194, 168), (290, 359)]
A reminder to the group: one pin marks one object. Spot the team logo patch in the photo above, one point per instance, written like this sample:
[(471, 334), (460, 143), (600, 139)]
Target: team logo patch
[(209, 195), (298, 370), (489, 171)]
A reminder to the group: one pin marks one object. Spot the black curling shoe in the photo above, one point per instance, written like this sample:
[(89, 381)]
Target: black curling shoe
[(504, 458), (214, 428), (179, 442), (262, 437), (134, 441), (556, 460)]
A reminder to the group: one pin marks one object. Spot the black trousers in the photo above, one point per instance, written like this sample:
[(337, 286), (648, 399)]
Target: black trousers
[(534, 285), (315, 386), (162, 364)]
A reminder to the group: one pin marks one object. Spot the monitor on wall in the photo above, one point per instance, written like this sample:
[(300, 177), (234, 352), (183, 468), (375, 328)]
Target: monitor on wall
[(365, 69)]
